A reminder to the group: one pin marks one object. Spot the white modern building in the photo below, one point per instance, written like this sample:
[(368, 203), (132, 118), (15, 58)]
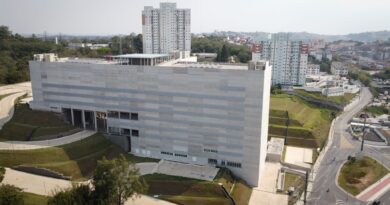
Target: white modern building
[(166, 29), (339, 68), (312, 69), (185, 112), (288, 59)]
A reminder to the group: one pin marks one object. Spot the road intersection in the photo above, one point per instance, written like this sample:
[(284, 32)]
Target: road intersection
[(341, 146)]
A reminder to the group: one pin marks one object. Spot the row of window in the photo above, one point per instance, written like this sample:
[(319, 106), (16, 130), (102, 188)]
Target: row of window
[(233, 164), (223, 163), (123, 131), (171, 154), (122, 115), (210, 150)]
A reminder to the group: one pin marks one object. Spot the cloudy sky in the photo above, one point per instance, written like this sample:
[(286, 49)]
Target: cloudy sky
[(124, 16)]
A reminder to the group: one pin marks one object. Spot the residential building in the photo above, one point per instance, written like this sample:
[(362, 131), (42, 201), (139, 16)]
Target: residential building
[(166, 29), (313, 69), (288, 59), (339, 68), (205, 114)]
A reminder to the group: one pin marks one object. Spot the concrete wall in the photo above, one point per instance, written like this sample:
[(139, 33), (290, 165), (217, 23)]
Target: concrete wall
[(184, 111)]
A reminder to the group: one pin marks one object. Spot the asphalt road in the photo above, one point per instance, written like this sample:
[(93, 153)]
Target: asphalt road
[(343, 146)]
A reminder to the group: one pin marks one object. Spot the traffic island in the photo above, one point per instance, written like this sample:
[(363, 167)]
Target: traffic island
[(356, 175)]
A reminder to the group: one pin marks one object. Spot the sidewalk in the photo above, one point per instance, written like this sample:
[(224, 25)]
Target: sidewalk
[(375, 190), (47, 186), (7, 107), (28, 145), (34, 183)]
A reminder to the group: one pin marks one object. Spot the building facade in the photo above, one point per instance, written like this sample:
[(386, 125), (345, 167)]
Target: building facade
[(288, 59), (205, 116), (312, 69), (166, 29), (339, 68)]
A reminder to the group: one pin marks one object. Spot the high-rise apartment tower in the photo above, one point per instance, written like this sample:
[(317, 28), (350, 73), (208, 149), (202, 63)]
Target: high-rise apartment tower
[(166, 29), (288, 59)]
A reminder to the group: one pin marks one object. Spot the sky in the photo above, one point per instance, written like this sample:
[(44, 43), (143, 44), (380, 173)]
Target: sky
[(104, 17)]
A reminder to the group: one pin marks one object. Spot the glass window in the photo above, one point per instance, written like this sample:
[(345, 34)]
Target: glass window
[(135, 133), (134, 116)]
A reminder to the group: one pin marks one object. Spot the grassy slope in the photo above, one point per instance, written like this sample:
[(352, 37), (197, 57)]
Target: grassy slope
[(77, 159), (183, 190), (34, 199), (337, 99), (377, 110), (241, 192), (26, 120), (357, 176), (188, 191), (307, 119)]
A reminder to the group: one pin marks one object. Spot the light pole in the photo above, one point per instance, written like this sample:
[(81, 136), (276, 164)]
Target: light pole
[(364, 128)]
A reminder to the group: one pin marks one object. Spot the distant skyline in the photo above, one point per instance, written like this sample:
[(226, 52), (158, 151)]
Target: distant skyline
[(100, 17)]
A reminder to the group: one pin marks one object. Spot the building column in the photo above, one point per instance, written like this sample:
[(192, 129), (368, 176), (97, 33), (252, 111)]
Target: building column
[(72, 117), (94, 120), (107, 122), (83, 118)]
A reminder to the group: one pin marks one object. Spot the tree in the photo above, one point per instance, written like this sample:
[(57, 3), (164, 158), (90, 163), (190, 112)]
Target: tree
[(224, 54), (2, 173), (137, 43), (10, 195), (77, 195), (116, 180), (4, 32)]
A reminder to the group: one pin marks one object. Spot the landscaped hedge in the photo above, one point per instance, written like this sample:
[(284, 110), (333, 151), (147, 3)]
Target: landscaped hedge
[(299, 142), (42, 172)]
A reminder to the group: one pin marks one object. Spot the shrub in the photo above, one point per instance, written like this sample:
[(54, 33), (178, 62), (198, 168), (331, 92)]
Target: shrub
[(10, 195)]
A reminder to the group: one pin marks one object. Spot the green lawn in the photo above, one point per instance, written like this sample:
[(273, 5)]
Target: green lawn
[(355, 176), (377, 110), (241, 192), (186, 191), (34, 199), (77, 159), (293, 180), (296, 181), (183, 190), (342, 100), (27, 122), (309, 124)]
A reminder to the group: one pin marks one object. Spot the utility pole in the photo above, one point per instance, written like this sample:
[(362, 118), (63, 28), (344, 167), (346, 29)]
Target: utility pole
[(306, 182), (364, 128), (287, 124)]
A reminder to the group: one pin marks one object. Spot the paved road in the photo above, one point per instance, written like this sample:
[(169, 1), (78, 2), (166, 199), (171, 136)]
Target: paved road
[(7, 103), (342, 146), (6, 107), (29, 145)]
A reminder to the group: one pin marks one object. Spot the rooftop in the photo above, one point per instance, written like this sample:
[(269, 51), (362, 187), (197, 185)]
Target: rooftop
[(275, 146), (141, 55), (159, 60)]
